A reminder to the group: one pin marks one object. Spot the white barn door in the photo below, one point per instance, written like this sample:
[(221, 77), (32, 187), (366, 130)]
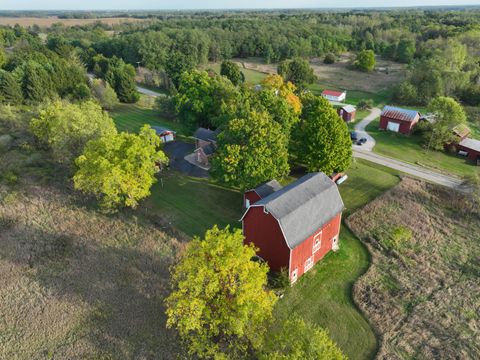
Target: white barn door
[(392, 126)]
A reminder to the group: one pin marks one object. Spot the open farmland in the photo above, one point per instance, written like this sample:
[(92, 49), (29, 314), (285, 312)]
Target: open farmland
[(50, 20), (421, 291)]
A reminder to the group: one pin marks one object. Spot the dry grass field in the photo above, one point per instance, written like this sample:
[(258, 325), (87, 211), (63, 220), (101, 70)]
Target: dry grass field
[(49, 21), (422, 291), (339, 76), (75, 283)]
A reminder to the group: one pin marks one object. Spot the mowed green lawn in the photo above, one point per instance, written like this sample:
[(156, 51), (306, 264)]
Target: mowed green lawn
[(131, 117), (409, 149), (354, 96)]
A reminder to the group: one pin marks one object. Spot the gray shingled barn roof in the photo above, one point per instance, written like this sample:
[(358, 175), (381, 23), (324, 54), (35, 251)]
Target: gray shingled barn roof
[(304, 206), (268, 188), (471, 144)]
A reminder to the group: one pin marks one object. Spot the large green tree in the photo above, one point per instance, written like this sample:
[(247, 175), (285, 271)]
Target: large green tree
[(295, 339), (121, 78), (119, 169), (10, 91), (448, 115), (251, 150), (365, 60), (204, 100), (232, 71), (104, 94), (220, 304), (298, 71), (66, 127), (321, 140)]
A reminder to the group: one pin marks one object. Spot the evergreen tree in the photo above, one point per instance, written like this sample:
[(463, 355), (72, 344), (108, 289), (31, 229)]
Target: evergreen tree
[(10, 91)]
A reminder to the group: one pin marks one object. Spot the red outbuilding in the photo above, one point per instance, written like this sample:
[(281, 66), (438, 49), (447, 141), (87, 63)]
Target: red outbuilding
[(347, 113), (295, 226), (398, 120), (472, 148)]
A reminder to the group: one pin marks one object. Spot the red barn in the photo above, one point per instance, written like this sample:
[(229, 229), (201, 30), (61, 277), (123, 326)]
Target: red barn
[(398, 120), (295, 226), (472, 148), (347, 113)]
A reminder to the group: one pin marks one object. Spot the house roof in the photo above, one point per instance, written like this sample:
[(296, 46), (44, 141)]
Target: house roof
[(304, 206), (160, 130), (397, 113), (206, 134), (332, 92), (209, 149), (268, 188), (349, 108), (470, 143), (461, 130)]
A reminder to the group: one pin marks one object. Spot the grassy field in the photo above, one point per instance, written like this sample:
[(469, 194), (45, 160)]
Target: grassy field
[(194, 205), (131, 118), (251, 76), (422, 290), (409, 149)]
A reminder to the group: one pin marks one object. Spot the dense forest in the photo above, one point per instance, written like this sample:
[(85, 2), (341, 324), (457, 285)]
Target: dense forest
[(441, 47)]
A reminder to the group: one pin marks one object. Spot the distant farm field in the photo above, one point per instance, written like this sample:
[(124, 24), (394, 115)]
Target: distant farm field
[(49, 21)]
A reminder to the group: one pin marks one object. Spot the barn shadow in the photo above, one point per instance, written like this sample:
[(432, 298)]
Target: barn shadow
[(123, 286)]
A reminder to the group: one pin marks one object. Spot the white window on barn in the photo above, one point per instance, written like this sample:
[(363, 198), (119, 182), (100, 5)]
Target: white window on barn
[(294, 276), (308, 264), (247, 203), (317, 242), (335, 246)]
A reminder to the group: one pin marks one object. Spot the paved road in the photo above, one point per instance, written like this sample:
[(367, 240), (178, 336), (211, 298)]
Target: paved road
[(360, 130), (414, 170), (365, 152)]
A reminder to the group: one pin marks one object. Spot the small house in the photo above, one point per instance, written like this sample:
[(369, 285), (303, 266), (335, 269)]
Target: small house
[(294, 227), (398, 120), (205, 145), (333, 95), (166, 135), (472, 149), (347, 113)]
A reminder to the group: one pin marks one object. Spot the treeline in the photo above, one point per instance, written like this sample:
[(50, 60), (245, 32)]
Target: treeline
[(34, 72)]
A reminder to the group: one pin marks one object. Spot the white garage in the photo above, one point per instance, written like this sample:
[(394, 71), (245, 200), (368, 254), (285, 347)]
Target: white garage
[(393, 126)]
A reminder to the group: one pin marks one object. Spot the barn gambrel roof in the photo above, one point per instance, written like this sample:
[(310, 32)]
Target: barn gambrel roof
[(303, 206), (268, 188)]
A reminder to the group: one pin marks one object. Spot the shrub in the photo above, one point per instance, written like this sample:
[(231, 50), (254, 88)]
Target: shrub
[(329, 58), (365, 104)]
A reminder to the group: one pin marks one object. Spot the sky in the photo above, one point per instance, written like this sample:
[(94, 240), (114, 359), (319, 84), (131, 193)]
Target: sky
[(213, 4)]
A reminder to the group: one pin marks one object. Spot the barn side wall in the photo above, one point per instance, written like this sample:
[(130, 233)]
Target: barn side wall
[(405, 126), (264, 231), (472, 154), (252, 196), (302, 252)]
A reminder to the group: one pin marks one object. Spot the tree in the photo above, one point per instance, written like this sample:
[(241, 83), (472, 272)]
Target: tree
[(298, 71), (104, 94), (232, 72), (204, 100), (10, 91), (405, 50), (121, 78), (448, 115), (219, 304), (321, 140), (119, 168), (285, 89), (406, 93), (37, 84), (66, 127), (329, 58), (365, 60), (251, 150), (3, 57), (297, 340)]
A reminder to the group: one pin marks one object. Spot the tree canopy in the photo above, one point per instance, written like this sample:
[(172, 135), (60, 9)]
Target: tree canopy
[(119, 168), (321, 140), (297, 71), (219, 304), (365, 60), (232, 71), (251, 150), (448, 115), (66, 127), (295, 339)]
